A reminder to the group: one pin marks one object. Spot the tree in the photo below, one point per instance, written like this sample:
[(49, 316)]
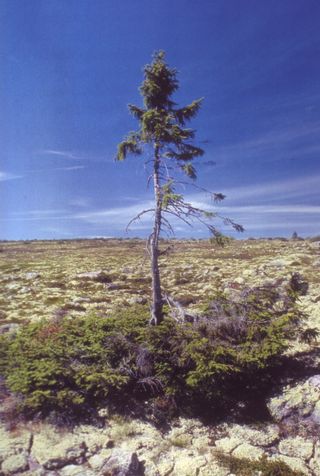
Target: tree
[(163, 132)]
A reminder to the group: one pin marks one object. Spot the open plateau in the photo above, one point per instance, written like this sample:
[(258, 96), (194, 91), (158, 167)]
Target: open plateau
[(50, 284)]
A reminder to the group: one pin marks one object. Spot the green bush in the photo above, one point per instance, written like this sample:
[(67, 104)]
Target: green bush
[(70, 365), (67, 364)]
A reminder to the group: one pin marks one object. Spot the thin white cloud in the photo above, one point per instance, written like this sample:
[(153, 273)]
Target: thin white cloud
[(284, 189), (4, 176), (79, 202), (283, 209), (70, 155), (38, 212), (38, 215), (56, 230), (75, 167), (61, 153), (274, 144), (116, 215)]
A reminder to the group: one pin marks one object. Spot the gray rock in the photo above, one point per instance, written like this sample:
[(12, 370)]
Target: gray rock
[(254, 436), (32, 275), (315, 415), (9, 328), (245, 450), (97, 276), (299, 403), (97, 461), (12, 444), (188, 465), (137, 300), (15, 463), (314, 381), (228, 444), (294, 463), (122, 463), (213, 469), (75, 470), (13, 286), (165, 464), (315, 461), (278, 263), (54, 450), (296, 447)]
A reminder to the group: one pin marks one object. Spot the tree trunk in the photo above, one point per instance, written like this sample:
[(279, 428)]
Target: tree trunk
[(157, 303)]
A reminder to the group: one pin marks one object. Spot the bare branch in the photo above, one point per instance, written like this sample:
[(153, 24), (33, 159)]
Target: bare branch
[(138, 217), (178, 216)]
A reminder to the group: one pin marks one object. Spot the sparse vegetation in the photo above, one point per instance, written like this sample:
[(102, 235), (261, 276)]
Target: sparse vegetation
[(261, 467)]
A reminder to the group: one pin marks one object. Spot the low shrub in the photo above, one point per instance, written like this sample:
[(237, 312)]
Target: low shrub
[(69, 365)]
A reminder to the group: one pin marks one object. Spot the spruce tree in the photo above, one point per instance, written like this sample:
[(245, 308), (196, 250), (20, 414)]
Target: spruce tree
[(162, 129)]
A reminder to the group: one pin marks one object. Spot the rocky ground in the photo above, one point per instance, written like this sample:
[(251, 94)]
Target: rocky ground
[(43, 279)]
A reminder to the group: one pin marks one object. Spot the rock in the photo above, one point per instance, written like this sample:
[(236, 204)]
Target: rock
[(122, 463), (11, 328), (25, 290), (239, 280), (178, 437), (294, 463), (97, 461), (15, 463), (315, 415), (12, 443), (81, 300), (113, 287), (296, 447), (32, 275), (314, 381), (54, 450), (95, 439), (315, 461), (227, 444), (165, 465), (299, 403), (187, 425), (213, 469), (13, 286), (248, 451), (201, 443), (278, 263), (150, 468), (97, 276), (188, 465), (39, 472), (74, 470), (266, 437), (137, 300)]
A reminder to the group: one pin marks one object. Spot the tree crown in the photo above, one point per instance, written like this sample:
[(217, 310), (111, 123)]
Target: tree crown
[(161, 123)]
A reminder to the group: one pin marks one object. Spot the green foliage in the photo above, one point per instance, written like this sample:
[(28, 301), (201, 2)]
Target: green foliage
[(219, 239), (263, 466), (160, 123), (69, 365)]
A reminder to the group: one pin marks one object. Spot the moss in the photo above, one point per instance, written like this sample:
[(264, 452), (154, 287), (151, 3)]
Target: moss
[(263, 466), (181, 441)]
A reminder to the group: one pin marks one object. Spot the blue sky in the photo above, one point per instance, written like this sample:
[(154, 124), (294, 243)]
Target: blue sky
[(68, 69)]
